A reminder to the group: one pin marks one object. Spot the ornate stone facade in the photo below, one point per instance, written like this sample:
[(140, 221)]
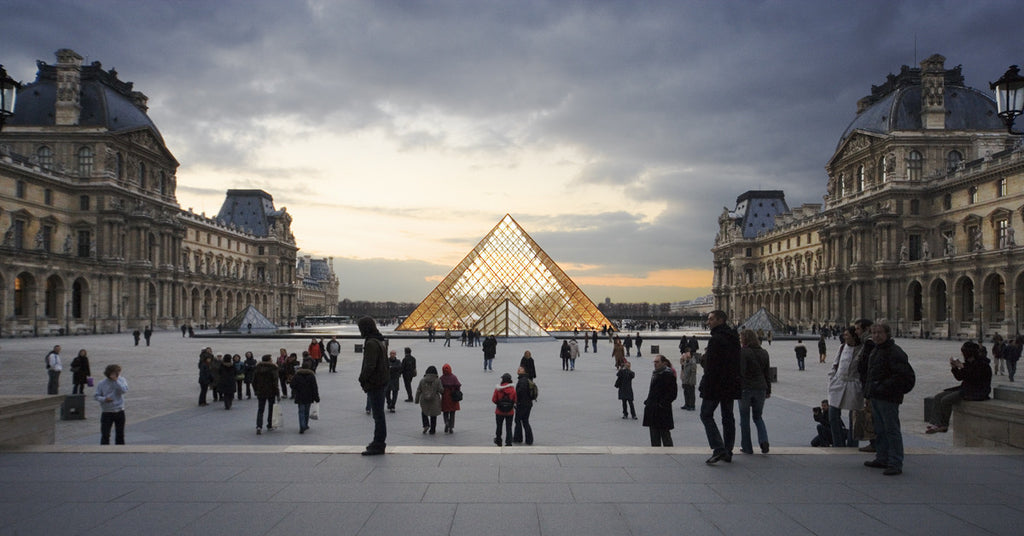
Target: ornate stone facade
[(94, 238), (925, 192), (316, 286)]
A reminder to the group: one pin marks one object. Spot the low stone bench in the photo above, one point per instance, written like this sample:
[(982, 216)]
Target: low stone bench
[(998, 422), (28, 420)]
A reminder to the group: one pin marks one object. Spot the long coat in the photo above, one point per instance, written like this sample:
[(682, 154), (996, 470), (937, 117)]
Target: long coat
[(264, 380), (430, 383), (721, 379), (624, 378), (450, 382), (304, 387), (658, 406)]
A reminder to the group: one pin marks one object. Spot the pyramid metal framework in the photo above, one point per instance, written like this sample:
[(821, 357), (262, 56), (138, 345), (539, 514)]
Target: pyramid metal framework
[(507, 286)]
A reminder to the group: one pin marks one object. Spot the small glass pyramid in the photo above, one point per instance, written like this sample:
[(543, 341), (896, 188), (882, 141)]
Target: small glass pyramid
[(507, 286)]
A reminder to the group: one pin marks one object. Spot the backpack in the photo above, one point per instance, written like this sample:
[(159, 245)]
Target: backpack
[(533, 390), (46, 360), (429, 395), (505, 403)]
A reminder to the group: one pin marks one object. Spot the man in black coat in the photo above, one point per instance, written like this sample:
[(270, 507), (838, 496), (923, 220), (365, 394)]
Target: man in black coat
[(408, 372), (658, 406), (889, 377), (720, 385), (373, 378)]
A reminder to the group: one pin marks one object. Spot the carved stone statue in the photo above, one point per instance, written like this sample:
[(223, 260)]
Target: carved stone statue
[(67, 244), (1010, 240), (39, 239), (9, 236), (926, 251), (977, 241), (950, 246), (904, 253)]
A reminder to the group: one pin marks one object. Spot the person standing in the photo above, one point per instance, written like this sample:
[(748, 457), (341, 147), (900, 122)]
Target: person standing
[(409, 372), (719, 386), (756, 387), (305, 392), (593, 340), (586, 342), (688, 378), (147, 334), (110, 394), (504, 399), (890, 376), (429, 395), (658, 406), (184, 329), (80, 372), (526, 394), (53, 368), (333, 349), (574, 353), (314, 354), (618, 353), (249, 368), (449, 404), (639, 343), (226, 381), (801, 353), (136, 335), (282, 374), (490, 348), (264, 382), (1011, 353), (394, 380), (822, 349), (628, 344), (373, 378), (205, 376), (624, 382), (527, 363), (845, 390)]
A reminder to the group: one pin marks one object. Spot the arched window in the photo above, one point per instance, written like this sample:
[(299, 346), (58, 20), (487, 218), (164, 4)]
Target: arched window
[(842, 185), (45, 155), (915, 163), (85, 161), (953, 158), (860, 178)]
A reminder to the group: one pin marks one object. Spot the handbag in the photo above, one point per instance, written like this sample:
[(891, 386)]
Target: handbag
[(88, 381), (456, 395), (314, 411), (278, 417)]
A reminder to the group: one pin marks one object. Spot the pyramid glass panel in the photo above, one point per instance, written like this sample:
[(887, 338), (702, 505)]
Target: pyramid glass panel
[(506, 286)]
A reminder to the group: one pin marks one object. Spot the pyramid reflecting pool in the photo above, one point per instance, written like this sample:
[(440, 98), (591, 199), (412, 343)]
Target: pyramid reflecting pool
[(507, 286)]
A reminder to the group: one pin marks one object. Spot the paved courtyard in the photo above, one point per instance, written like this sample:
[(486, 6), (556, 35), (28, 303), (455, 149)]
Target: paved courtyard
[(189, 469)]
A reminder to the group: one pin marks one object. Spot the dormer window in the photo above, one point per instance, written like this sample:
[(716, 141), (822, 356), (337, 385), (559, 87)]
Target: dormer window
[(953, 159), (45, 155), (85, 161), (915, 163)]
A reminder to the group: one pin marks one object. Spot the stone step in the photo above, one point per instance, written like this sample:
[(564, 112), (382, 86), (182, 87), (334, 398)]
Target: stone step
[(1009, 393)]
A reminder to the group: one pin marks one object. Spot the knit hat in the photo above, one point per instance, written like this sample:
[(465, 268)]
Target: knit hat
[(506, 378)]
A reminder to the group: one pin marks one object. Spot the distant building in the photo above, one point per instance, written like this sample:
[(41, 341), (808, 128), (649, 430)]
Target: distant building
[(316, 286), (924, 198), (94, 239)]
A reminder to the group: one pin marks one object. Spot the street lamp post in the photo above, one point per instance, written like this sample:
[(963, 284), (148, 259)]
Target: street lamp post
[(8, 93), (1009, 97), (94, 319), (899, 322), (1016, 318), (152, 313), (981, 323), (67, 318), (949, 322)]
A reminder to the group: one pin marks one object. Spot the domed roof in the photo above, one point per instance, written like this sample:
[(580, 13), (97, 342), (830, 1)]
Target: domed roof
[(896, 106), (105, 101)]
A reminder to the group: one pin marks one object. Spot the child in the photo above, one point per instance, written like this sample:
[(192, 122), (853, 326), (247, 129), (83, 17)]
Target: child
[(110, 394)]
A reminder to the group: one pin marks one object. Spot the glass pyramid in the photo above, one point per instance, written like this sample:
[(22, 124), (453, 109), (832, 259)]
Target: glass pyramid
[(506, 286)]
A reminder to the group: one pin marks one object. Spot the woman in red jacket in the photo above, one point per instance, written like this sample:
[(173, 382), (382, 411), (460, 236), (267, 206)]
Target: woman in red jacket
[(314, 353), (504, 399), (449, 405)]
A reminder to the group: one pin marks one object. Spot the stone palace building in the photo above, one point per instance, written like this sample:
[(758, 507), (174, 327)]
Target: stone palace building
[(925, 196), (94, 239)]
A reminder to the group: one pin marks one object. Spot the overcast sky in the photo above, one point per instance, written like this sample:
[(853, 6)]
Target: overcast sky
[(398, 133)]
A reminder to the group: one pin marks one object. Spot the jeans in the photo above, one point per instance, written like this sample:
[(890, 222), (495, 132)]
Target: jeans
[(391, 395), (522, 422), (840, 437), (203, 387), (507, 420), (269, 404), (375, 397), (752, 399), (408, 387), (333, 367), (944, 402), (78, 388), (53, 385), (108, 419), (689, 396), (707, 416), (800, 363), (489, 364), (572, 364), (303, 416), (1011, 368), (889, 440)]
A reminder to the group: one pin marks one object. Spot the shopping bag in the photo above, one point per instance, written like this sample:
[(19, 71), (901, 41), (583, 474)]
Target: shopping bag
[(314, 411), (278, 416), (88, 381)]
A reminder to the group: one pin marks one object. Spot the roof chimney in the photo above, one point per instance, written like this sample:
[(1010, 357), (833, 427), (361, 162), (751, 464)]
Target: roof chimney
[(69, 87), (933, 84)]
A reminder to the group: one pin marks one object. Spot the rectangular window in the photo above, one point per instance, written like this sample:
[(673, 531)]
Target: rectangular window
[(48, 196), (798, 241), (261, 250), (749, 252), (972, 195), (1001, 188), (915, 207), (787, 244), (19, 234), (19, 190), (83, 202), (1002, 227), (47, 237), (915, 247), (84, 243)]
